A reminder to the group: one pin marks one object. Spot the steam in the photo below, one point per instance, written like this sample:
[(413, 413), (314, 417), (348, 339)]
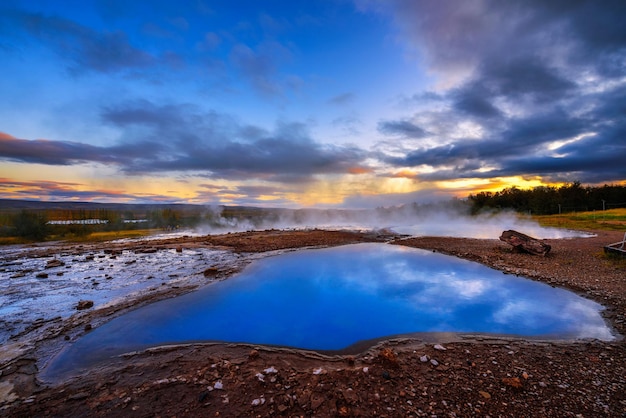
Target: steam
[(452, 219)]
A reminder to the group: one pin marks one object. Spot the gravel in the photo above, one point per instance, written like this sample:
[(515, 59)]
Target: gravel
[(442, 375)]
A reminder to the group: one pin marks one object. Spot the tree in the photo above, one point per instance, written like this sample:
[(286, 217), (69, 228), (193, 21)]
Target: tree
[(31, 225)]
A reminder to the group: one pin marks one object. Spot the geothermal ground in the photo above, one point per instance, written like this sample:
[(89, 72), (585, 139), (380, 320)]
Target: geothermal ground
[(428, 375)]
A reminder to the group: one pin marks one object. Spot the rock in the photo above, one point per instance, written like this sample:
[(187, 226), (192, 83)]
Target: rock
[(84, 304), (525, 243), (513, 382), (484, 394), (316, 400), (387, 355), (439, 347), (42, 275), (203, 395), (424, 358), (434, 362), (54, 263), (211, 272)]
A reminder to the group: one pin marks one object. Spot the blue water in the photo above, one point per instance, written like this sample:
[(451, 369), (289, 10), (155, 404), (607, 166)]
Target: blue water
[(329, 299)]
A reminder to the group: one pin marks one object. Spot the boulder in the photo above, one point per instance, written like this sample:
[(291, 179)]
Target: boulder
[(523, 242)]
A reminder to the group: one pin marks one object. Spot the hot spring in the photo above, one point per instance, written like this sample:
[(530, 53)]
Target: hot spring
[(333, 298)]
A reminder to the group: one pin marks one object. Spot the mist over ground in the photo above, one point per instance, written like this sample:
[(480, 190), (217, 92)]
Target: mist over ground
[(451, 218)]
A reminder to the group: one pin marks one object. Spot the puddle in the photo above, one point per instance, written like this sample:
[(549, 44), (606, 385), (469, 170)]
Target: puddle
[(329, 299)]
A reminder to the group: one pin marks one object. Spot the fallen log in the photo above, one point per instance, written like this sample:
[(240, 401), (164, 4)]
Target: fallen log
[(525, 243)]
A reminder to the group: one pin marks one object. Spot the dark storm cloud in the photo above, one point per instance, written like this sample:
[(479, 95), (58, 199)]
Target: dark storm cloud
[(106, 51), (402, 128), (474, 102), (48, 152), (182, 138), (542, 83)]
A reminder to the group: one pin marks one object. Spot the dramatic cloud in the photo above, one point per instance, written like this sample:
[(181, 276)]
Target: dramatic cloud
[(277, 102), (539, 88), (181, 138)]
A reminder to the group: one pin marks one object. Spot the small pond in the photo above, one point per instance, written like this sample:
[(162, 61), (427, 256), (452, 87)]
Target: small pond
[(330, 299)]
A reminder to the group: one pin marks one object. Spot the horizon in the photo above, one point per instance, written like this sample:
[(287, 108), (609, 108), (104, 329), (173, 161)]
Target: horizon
[(341, 104)]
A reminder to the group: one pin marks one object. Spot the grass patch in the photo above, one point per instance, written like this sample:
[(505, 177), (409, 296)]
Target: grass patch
[(607, 220), (13, 241), (112, 235)]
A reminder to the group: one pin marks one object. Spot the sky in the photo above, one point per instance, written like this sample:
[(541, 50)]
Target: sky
[(300, 103)]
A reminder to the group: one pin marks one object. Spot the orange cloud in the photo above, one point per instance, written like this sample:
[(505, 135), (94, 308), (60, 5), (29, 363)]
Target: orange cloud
[(406, 174), (359, 170), (4, 135)]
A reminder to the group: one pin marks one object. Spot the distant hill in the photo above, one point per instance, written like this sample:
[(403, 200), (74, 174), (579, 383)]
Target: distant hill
[(14, 204)]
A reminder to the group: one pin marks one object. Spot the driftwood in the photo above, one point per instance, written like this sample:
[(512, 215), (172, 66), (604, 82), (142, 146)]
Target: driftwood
[(525, 243)]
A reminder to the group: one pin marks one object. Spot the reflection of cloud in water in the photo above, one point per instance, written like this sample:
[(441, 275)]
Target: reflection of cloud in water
[(469, 289), (328, 299)]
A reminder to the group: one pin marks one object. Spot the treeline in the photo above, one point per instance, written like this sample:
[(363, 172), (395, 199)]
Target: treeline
[(548, 200), (41, 223)]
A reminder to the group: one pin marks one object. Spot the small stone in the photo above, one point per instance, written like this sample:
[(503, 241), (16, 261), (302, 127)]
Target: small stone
[(388, 356), (525, 375), (434, 362), (271, 369), (513, 382), (218, 385), (84, 304), (42, 275), (484, 394), (254, 354), (211, 272), (316, 400), (258, 401), (424, 358), (319, 370), (366, 369), (54, 263), (439, 347)]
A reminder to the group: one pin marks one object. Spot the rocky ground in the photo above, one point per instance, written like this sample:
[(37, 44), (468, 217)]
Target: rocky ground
[(442, 375)]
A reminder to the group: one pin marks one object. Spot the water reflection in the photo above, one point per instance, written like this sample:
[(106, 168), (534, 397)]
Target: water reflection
[(329, 299)]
